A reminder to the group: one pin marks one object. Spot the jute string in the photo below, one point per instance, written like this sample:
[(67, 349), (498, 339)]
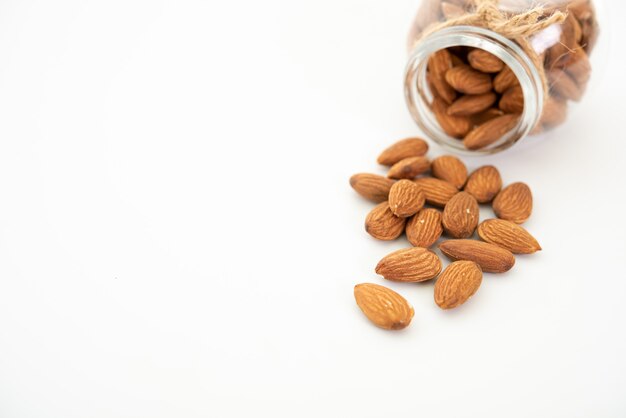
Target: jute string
[(516, 27)]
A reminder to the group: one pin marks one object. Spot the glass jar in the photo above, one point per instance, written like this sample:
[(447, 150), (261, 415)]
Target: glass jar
[(484, 74)]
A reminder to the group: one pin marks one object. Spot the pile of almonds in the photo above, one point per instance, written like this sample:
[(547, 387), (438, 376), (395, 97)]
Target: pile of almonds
[(478, 99), (425, 207)]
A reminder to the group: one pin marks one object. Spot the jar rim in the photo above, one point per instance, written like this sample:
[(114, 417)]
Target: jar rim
[(506, 50)]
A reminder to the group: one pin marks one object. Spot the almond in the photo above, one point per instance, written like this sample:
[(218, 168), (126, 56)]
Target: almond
[(505, 80), (382, 224), (490, 257), (512, 100), (563, 85), (481, 60), (514, 203), (486, 116), (484, 183), (508, 235), (438, 64), (490, 132), (470, 105), (409, 168), (460, 216), (406, 148), (414, 264), (450, 169), (455, 126), (458, 282), (371, 186), (384, 307), (437, 192), (580, 68), (424, 229), (468, 81), (405, 199)]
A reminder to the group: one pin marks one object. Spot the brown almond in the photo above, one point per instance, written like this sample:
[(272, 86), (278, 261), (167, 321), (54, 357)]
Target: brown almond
[(490, 132), (437, 192), (484, 61), (382, 224), (409, 168), (554, 112), (468, 81), (371, 186), (580, 68), (490, 257), (471, 104), (505, 80), (514, 203), (438, 64), (384, 307), (406, 148), (486, 116), (460, 216), (414, 264), (512, 101), (455, 126), (458, 282), (563, 85), (405, 199), (450, 169), (424, 228), (508, 235), (484, 183)]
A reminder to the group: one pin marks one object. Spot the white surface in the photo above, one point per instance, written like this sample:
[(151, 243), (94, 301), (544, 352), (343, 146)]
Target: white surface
[(178, 238)]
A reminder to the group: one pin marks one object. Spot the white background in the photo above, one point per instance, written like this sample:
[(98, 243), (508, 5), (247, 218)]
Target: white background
[(178, 237)]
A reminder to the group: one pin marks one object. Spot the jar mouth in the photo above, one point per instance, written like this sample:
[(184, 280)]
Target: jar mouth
[(419, 96)]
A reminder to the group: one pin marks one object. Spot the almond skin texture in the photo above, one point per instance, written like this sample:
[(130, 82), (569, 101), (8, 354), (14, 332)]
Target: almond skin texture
[(484, 61), (460, 216), (455, 126), (512, 100), (484, 183), (371, 186), (410, 265), (490, 257), (468, 81), (406, 148), (409, 168), (458, 282), (437, 192), (450, 169), (472, 104), (424, 229), (489, 132), (508, 235), (486, 116), (505, 80), (406, 199), (382, 224), (514, 203), (438, 64), (384, 307)]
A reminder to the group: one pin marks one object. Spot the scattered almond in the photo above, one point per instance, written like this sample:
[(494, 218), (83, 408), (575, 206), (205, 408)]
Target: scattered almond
[(460, 216), (458, 282), (484, 183), (406, 148), (437, 192), (489, 257), (508, 235), (384, 307), (450, 169), (414, 264), (514, 203), (409, 168), (405, 199), (382, 224), (424, 228), (371, 186)]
